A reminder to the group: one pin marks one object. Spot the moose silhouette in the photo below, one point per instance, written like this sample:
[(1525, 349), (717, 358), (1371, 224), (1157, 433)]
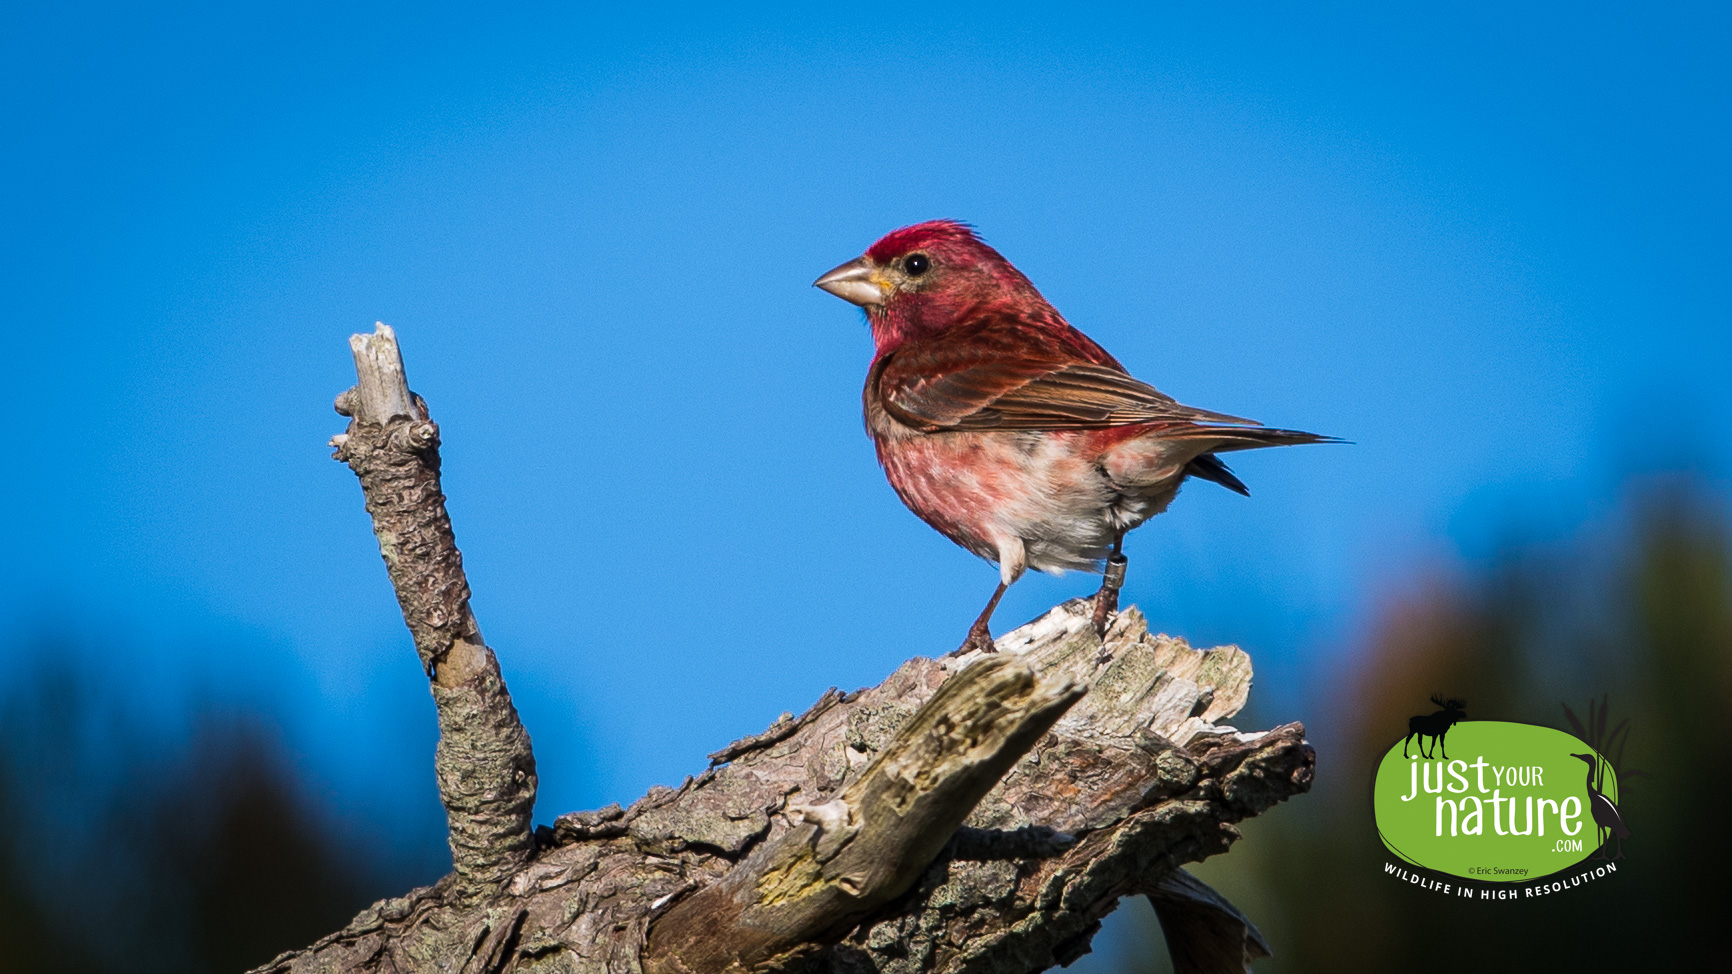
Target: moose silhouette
[(1434, 726)]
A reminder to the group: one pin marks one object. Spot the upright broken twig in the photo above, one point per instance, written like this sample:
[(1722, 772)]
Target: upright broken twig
[(484, 764)]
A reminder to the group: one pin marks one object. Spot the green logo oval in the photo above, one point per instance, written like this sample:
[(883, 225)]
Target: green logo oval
[(1511, 802)]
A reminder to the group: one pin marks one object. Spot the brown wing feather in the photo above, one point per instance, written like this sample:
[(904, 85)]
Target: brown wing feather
[(998, 376)]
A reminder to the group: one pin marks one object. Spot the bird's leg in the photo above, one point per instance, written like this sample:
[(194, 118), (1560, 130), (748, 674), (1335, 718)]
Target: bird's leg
[(1107, 599), (980, 634)]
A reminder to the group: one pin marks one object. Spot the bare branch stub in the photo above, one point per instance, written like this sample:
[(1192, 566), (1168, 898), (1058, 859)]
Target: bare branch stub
[(484, 765), (870, 843), (1205, 933)]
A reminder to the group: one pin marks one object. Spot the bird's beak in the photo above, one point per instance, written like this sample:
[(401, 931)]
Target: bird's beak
[(856, 282)]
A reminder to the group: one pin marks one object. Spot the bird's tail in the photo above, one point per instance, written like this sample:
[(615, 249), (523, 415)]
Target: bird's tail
[(1229, 438), (1209, 467), (1232, 438)]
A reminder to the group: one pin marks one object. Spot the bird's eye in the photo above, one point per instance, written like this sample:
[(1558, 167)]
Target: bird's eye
[(916, 265)]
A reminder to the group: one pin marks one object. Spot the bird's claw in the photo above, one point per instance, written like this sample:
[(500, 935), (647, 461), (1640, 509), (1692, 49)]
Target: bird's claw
[(979, 639)]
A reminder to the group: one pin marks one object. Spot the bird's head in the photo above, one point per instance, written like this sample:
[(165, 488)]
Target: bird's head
[(1585, 757), (924, 278)]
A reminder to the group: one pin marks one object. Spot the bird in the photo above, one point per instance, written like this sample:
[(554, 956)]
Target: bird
[(1606, 816), (1008, 430)]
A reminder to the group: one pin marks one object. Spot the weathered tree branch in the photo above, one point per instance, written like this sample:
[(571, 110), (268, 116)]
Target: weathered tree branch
[(853, 853), (1081, 771), (485, 768)]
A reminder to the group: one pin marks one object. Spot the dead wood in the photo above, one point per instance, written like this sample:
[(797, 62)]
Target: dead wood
[(1079, 770)]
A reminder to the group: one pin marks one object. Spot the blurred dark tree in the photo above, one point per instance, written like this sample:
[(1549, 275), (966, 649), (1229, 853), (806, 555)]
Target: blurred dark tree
[(1639, 611), (123, 855), (28, 941), (249, 868)]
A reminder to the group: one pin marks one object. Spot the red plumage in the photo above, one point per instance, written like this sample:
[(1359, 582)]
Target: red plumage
[(1007, 429)]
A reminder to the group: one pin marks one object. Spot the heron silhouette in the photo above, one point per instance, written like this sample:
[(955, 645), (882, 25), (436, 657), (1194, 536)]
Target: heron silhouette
[(1606, 816)]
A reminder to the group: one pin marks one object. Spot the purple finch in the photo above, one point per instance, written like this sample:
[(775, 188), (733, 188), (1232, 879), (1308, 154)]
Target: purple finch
[(1010, 431)]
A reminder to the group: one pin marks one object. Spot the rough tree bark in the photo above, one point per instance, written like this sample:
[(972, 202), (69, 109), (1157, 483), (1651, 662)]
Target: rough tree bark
[(972, 814)]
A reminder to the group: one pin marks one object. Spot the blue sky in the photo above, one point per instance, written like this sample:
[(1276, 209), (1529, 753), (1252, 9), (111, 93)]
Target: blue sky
[(1487, 245)]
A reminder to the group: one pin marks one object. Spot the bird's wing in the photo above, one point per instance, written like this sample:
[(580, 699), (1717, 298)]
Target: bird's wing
[(1013, 379)]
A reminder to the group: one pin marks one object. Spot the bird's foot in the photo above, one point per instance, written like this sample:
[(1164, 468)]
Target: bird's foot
[(1106, 603), (979, 639), (1107, 599)]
